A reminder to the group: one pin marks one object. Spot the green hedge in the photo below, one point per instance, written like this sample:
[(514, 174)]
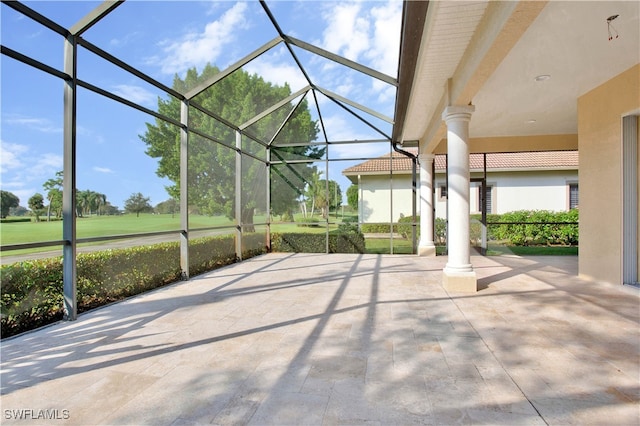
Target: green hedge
[(31, 293), (549, 233), (378, 228), (440, 230), (15, 220), (346, 239)]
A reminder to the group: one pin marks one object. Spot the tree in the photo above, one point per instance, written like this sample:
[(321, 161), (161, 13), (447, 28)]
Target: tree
[(352, 197), (170, 206), (236, 98), (53, 187), (18, 211), (334, 194), (36, 204), (109, 209), (137, 203), (7, 201)]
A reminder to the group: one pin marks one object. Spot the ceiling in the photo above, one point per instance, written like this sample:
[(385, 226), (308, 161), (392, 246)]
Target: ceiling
[(490, 53)]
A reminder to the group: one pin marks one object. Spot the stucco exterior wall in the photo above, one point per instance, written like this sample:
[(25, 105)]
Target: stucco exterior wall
[(600, 113), (542, 190), (375, 198)]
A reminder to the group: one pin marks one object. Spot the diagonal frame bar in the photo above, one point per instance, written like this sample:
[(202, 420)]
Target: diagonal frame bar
[(231, 68), (341, 60), (274, 107), (361, 107), (94, 16)]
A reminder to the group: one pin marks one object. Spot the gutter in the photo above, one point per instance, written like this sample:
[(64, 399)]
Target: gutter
[(414, 191)]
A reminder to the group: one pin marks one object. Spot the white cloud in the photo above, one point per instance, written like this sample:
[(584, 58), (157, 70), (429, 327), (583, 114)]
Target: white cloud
[(347, 32), (40, 124), (359, 33), (135, 94), (124, 40), (102, 169), (272, 69), (386, 37), (197, 49), (24, 170), (48, 161), (10, 156), (339, 129)]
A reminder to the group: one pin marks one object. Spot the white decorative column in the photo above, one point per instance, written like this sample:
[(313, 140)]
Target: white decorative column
[(458, 274), (426, 247)]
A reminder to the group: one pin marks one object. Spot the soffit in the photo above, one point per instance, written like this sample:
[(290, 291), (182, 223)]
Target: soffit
[(568, 40), (449, 28)]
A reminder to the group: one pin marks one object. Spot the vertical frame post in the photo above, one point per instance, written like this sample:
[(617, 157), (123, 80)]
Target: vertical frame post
[(268, 195), (69, 270), (184, 189), (238, 191)]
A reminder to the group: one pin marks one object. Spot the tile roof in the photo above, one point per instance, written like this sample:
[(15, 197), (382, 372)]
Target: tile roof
[(542, 160)]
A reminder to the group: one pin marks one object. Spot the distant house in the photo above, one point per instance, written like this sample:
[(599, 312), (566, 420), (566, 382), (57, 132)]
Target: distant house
[(514, 181)]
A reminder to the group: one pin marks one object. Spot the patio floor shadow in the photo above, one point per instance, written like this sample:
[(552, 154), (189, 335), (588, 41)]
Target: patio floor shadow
[(340, 339)]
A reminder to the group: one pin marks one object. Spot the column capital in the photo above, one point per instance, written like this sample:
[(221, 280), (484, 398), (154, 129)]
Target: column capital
[(426, 158), (458, 113)]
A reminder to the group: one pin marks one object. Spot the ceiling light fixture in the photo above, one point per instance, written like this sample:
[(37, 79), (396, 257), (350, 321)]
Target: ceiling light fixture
[(530, 121), (611, 27), (542, 77)]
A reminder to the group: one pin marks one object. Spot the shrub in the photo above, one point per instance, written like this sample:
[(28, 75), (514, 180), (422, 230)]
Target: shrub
[(346, 239), (377, 228), (31, 293), (535, 227), (405, 226), (208, 253), (309, 222), (440, 231), (15, 220)]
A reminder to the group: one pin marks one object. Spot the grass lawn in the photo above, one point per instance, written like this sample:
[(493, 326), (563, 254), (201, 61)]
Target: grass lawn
[(99, 226), (533, 250), (383, 246)]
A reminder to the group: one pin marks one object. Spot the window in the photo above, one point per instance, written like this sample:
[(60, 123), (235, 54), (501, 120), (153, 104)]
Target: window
[(443, 191), (573, 196), (487, 197)]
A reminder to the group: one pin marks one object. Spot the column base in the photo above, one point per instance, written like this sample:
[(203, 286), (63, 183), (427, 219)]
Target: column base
[(427, 251), (463, 282)]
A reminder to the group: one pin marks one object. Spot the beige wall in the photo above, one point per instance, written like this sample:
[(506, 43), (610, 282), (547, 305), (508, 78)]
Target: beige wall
[(600, 113)]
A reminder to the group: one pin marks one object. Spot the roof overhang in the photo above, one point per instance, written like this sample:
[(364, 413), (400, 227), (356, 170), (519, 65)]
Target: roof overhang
[(489, 54)]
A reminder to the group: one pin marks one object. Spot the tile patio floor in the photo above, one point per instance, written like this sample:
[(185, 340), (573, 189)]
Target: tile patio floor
[(340, 339)]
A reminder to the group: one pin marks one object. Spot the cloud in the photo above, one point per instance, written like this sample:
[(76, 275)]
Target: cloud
[(386, 37), (360, 33), (340, 129), (347, 32), (369, 35), (124, 40), (271, 68), (40, 124), (102, 169), (135, 94), (10, 154), (48, 161), (24, 169), (199, 48)]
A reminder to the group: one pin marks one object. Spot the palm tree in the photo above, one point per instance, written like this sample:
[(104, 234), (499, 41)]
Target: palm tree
[(100, 200)]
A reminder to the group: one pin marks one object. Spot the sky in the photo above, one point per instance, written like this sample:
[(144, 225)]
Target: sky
[(164, 39)]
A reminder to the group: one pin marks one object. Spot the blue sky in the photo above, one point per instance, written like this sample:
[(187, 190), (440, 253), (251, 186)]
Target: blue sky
[(165, 38)]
